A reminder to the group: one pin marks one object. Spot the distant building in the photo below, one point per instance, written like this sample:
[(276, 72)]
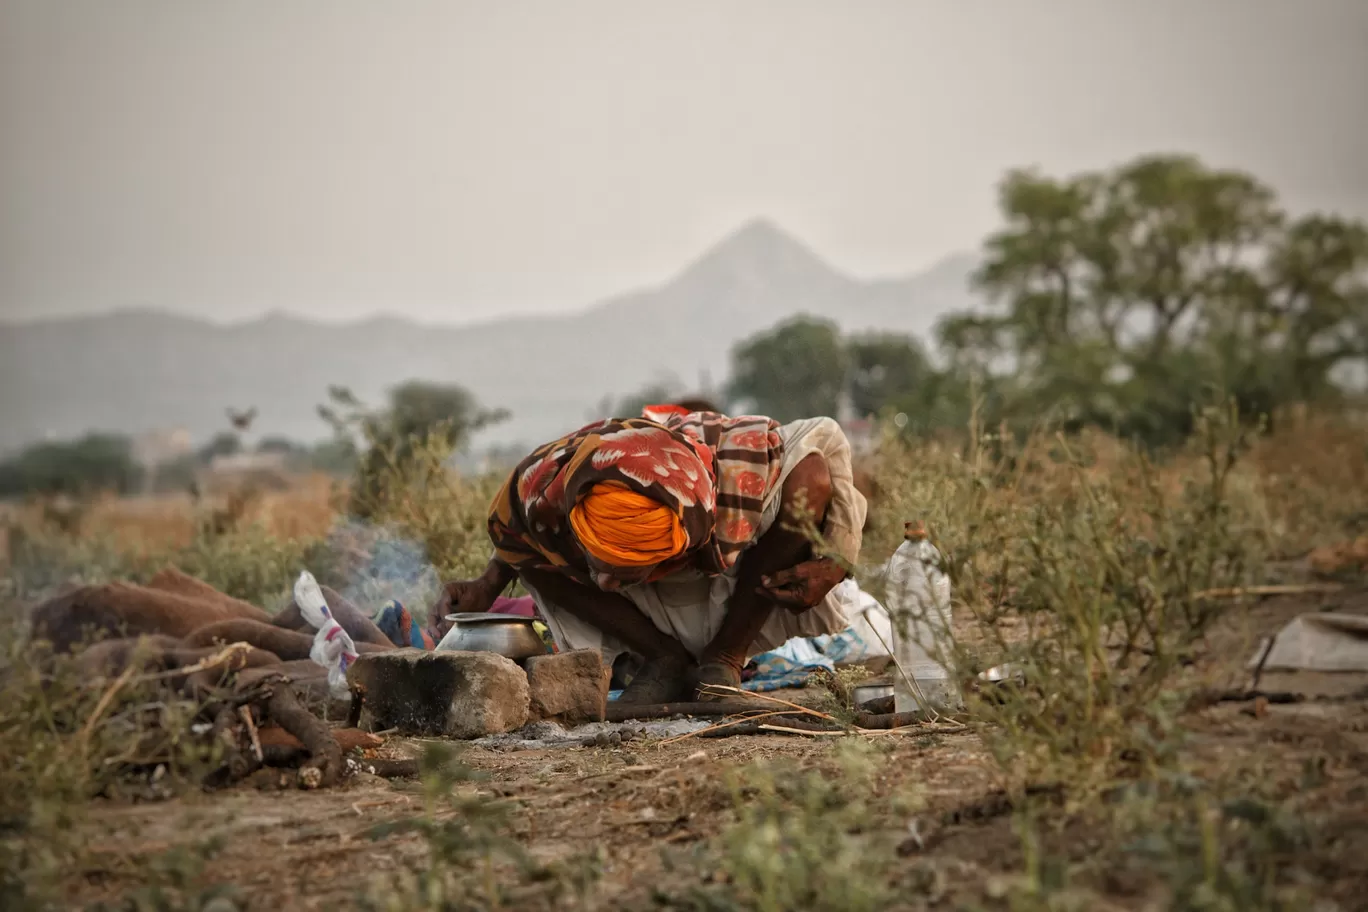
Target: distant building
[(862, 434), (159, 447), (248, 463), (268, 470), (156, 449)]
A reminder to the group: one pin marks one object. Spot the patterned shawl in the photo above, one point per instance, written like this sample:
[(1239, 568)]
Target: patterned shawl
[(715, 472)]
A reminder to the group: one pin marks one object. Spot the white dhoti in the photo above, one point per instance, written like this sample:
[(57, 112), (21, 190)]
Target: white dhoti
[(690, 606)]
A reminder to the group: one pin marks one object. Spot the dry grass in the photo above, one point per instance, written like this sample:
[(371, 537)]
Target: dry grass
[(163, 522), (1078, 559)]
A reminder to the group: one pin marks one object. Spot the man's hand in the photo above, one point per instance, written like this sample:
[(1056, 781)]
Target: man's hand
[(802, 587), (474, 596), (467, 596)]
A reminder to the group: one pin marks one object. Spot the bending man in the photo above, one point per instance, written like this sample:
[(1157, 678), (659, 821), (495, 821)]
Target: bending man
[(674, 537)]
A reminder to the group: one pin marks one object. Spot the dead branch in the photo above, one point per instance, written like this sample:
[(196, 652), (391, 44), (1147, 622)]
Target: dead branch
[(324, 766), (626, 712)]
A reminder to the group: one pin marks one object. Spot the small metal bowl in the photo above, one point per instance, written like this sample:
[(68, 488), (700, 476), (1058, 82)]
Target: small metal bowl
[(867, 693), (1002, 673), (509, 635)]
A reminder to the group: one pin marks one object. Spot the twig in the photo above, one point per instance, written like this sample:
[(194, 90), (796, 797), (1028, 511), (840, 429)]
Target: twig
[(105, 699), (245, 712), (1263, 658), (803, 731), (358, 698), (1239, 591), (627, 712), (324, 765), (721, 726), (1204, 699), (647, 821), (766, 698), (636, 768), (228, 652), (887, 721)]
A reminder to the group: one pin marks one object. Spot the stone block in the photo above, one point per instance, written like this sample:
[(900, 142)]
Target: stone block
[(569, 686), (457, 694)]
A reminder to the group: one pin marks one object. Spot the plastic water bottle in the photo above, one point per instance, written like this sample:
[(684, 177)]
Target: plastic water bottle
[(919, 601)]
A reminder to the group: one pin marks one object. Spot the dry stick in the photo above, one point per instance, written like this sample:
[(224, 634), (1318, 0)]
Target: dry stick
[(105, 699), (325, 754), (358, 698), (228, 652), (245, 712), (1300, 589), (803, 731), (808, 711), (732, 723), (766, 698), (1263, 658), (626, 712)]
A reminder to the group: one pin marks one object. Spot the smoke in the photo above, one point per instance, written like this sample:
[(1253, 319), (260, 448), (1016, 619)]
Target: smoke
[(376, 563)]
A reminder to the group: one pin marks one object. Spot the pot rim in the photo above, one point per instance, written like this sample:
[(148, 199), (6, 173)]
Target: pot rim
[(487, 617)]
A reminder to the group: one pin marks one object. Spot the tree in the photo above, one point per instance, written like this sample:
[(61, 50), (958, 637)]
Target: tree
[(1123, 297), (795, 370), (417, 409), (887, 370), (336, 456), (427, 418), (96, 462)]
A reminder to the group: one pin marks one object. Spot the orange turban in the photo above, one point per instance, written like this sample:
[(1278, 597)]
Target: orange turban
[(621, 528)]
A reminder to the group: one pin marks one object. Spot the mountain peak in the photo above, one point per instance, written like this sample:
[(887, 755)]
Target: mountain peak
[(759, 252)]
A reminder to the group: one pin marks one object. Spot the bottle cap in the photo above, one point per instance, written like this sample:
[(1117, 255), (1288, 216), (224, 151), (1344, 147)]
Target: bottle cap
[(914, 530)]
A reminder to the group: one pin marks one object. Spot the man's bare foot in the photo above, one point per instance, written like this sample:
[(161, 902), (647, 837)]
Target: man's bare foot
[(716, 674), (663, 680)]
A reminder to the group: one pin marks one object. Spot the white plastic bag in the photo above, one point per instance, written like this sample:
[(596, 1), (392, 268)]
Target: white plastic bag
[(867, 620), (332, 646)]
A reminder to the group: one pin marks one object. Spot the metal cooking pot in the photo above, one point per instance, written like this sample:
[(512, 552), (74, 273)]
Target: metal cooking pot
[(506, 634)]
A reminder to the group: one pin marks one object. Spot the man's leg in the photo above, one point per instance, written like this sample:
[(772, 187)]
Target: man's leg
[(806, 496), (665, 675), (609, 612)]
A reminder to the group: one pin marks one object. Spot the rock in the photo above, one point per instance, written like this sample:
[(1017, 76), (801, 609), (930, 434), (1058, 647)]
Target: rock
[(458, 694), (569, 686)]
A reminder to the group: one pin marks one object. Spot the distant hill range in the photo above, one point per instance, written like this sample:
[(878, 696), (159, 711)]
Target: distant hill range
[(135, 371)]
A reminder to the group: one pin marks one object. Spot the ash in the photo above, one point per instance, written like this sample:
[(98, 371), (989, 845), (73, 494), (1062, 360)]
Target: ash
[(539, 735)]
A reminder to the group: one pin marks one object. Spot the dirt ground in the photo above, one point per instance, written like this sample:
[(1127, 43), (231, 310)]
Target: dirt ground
[(309, 850)]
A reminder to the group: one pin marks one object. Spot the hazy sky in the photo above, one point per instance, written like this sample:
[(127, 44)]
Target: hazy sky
[(451, 160)]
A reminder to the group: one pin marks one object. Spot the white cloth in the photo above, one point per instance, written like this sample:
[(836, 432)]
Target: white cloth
[(690, 606)]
